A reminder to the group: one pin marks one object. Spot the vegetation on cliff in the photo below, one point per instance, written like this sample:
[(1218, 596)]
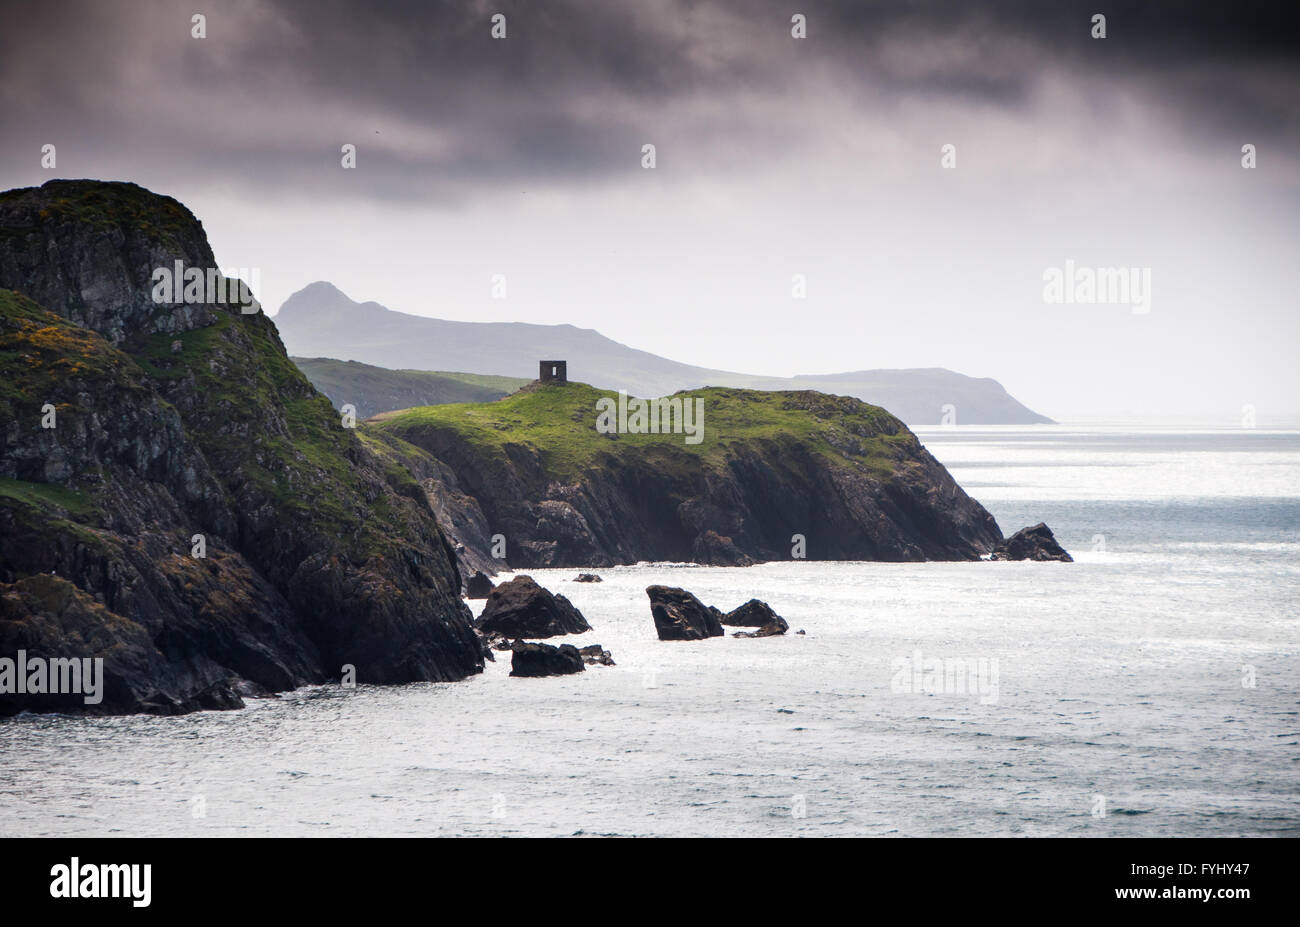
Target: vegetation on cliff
[(847, 476), (371, 390), (173, 421)]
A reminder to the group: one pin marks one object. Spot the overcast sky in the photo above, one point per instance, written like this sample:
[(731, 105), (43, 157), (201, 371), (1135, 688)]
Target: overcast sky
[(776, 156)]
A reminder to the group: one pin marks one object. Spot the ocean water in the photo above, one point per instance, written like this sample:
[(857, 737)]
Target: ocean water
[(1149, 689)]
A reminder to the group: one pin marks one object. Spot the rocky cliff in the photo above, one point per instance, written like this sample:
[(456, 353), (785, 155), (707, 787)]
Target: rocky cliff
[(134, 434), (533, 469)]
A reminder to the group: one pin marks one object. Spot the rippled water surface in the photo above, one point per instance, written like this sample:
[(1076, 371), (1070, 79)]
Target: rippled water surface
[(1119, 689)]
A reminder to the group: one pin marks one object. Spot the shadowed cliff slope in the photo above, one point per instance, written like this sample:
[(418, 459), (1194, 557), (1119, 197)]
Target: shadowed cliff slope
[(371, 390), (183, 419)]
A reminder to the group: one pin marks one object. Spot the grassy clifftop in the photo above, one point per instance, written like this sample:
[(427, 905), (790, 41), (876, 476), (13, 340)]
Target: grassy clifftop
[(848, 476), (559, 422)]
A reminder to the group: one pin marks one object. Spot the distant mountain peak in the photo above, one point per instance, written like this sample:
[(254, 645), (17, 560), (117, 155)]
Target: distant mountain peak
[(321, 321)]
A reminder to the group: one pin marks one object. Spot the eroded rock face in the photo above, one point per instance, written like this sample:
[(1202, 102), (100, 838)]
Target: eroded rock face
[(529, 659), (320, 547), (680, 616), (1033, 543), (86, 250), (713, 549), (521, 608), (876, 494), (478, 586)]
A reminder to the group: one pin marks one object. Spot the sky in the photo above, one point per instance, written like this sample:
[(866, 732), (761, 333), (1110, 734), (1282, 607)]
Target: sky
[(780, 163)]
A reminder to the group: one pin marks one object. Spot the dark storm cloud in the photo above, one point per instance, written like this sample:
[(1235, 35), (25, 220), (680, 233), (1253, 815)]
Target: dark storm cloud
[(436, 106)]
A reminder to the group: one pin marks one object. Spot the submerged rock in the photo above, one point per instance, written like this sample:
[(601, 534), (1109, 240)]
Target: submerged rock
[(478, 586), (679, 616), (521, 608), (587, 578), (1033, 543), (529, 659), (596, 654), (774, 629)]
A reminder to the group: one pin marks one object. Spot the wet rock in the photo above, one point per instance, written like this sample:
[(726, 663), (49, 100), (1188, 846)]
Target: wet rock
[(478, 586), (756, 614), (491, 642), (529, 659), (753, 614), (521, 608), (1033, 543), (587, 578), (596, 654), (774, 629), (713, 549), (680, 616)]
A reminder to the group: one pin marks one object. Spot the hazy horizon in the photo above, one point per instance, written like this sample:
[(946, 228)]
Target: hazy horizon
[(775, 156)]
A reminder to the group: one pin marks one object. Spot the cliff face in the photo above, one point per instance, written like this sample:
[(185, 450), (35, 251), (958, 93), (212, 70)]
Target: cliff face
[(180, 420), (532, 468)]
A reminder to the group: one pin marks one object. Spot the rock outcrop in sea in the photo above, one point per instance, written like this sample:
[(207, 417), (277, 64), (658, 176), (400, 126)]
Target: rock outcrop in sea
[(1033, 543), (680, 616), (521, 608), (529, 659), (594, 654), (756, 614)]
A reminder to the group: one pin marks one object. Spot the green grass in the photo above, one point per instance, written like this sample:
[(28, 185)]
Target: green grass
[(44, 356), (375, 389), (310, 468), (104, 205), (559, 423), (486, 381), (44, 495)]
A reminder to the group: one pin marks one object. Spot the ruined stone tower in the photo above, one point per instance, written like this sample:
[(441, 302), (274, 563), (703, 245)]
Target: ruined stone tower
[(553, 371)]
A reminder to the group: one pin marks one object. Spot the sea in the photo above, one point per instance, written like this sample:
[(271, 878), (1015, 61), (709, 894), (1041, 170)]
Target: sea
[(1150, 688)]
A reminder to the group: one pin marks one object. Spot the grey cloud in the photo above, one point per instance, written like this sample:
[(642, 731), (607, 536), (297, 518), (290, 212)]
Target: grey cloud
[(439, 108)]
